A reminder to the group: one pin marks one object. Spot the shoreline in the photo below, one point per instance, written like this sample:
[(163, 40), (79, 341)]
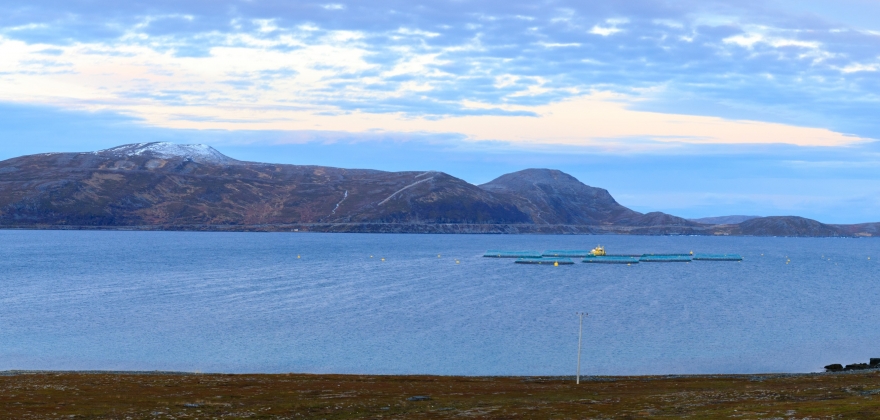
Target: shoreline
[(428, 228)]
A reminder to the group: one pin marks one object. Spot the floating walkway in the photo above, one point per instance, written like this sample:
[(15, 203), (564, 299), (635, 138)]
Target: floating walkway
[(568, 253), (598, 256), (545, 261), (611, 259), (493, 253), (665, 258)]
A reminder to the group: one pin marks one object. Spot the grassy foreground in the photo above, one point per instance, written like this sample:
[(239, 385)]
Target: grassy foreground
[(161, 396)]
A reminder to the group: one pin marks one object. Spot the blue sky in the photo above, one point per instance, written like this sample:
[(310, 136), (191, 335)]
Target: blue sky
[(697, 108)]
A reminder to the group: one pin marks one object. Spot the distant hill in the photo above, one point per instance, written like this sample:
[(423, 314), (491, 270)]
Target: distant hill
[(554, 197), (723, 220), (861, 229), (787, 226), (194, 187)]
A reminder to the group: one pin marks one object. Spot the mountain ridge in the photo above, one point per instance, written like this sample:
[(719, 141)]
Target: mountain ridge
[(195, 187)]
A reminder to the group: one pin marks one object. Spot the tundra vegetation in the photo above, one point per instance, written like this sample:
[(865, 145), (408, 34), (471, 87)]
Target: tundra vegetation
[(850, 395)]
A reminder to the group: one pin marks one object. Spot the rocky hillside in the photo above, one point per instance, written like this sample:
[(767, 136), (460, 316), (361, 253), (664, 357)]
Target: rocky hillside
[(156, 184), (168, 186), (556, 198), (787, 226)]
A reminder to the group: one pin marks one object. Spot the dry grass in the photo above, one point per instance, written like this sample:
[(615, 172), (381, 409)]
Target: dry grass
[(166, 396)]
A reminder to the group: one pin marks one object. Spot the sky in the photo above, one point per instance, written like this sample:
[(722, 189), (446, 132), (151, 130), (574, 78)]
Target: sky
[(694, 108)]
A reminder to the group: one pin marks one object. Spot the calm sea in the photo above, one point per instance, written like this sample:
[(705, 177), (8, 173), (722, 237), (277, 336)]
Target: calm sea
[(307, 302)]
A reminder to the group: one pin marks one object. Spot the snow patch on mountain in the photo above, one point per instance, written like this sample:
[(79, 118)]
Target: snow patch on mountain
[(198, 153)]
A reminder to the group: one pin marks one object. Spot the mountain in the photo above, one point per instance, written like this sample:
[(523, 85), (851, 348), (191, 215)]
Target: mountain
[(194, 187), (554, 197), (723, 220), (787, 226), (164, 184)]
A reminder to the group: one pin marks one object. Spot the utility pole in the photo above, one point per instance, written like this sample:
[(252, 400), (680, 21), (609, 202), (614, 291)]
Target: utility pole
[(580, 335)]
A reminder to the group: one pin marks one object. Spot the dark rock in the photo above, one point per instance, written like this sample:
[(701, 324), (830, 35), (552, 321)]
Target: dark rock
[(834, 368), (857, 366), (419, 398), (875, 362)]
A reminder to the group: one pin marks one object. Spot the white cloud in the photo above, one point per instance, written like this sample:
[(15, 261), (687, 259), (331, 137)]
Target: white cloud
[(506, 80), (28, 27), (559, 45), (610, 28), (668, 23), (289, 78), (747, 41), (601, 120), (858, 67), (604, 31), (333, 6), (266, 25), (417, 32), (763, 35), (780, 43)]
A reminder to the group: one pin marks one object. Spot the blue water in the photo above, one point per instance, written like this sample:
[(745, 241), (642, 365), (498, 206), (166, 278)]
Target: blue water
[(244, 302)]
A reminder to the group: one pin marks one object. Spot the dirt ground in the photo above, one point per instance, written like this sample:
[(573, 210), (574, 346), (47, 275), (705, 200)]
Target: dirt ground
[(29, 395)]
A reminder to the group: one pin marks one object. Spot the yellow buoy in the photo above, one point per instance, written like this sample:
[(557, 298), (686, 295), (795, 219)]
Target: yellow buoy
[(628, 264), (297, 256), (383, 259), (556, 263), (692, 252)]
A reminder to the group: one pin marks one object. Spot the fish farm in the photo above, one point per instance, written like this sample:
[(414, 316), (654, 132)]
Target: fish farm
[(611, 259), (548, 261), (598, 256), (567, 254), (666, 258)]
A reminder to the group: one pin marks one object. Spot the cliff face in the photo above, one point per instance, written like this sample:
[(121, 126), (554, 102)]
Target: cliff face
[(167, 186)]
